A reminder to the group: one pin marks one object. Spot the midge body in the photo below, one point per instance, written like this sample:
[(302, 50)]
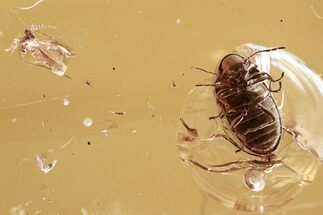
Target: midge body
[(46, 53), (247, 104)]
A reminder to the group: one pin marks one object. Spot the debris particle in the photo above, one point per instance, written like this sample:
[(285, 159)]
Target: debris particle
[(166, 178), (134, 131), (66, 102), (47, 199), (84, 211), (87, 121), (38, 212), (315, 13), (46, 53), (19, 210), (113, 68), (88, 83), (178, 20), (68, 142), (281, 20), (118, 112), (105, 132), (43, 186), (222, 3), (43, 165), (34, 102), (149, 105), (89, 143), (174, 85), (44, 96), (42, 124)]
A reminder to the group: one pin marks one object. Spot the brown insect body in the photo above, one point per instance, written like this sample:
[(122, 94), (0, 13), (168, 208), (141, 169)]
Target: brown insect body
[(248, 105)]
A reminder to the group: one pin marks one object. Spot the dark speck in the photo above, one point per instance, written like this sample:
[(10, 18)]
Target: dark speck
[(89, 143), (88, 83), (281, 20), (113, 68)]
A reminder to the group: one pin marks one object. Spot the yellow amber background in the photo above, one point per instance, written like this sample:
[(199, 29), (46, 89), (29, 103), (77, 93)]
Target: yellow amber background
[(135, 169)]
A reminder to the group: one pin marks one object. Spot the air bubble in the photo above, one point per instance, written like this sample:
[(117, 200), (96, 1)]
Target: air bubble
[(87, 122), (66, 102), (254, 180)]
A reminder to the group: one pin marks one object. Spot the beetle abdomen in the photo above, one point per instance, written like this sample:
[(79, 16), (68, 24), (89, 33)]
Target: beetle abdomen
[(254, 118)]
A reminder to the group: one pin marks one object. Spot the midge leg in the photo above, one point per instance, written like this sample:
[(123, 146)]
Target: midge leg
[(43, 66)]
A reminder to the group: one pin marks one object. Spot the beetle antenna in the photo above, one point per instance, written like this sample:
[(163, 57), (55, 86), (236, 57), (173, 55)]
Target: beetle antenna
[(203, 70), (265, 50)]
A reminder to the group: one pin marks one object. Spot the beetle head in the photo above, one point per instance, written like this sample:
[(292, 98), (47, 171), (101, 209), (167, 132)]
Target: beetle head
[(232, 66)]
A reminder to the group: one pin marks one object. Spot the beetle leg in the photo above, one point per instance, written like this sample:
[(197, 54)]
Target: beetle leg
[(230, 140), (204, 85), (258, 78), (277, 90), (192, 131), (225, 93), (259, 75), (226, 167), (221, 115), (234, 165), (281, 77), (238, 165), (238, 119), (268, 112)]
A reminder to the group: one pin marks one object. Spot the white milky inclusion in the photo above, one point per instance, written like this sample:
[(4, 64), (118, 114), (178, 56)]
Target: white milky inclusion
[(87, 121)]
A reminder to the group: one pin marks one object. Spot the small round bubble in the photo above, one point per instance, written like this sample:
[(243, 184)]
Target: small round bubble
[(87, 122), (254, 180)]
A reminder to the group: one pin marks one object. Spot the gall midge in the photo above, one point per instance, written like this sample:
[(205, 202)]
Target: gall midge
[(48, 53)]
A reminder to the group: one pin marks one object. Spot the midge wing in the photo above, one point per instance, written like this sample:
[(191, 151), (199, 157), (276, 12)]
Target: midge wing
[(52, 55), (60, 49)]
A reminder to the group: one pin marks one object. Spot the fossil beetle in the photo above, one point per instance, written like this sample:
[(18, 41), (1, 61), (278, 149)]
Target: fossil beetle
[(244, 95)]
